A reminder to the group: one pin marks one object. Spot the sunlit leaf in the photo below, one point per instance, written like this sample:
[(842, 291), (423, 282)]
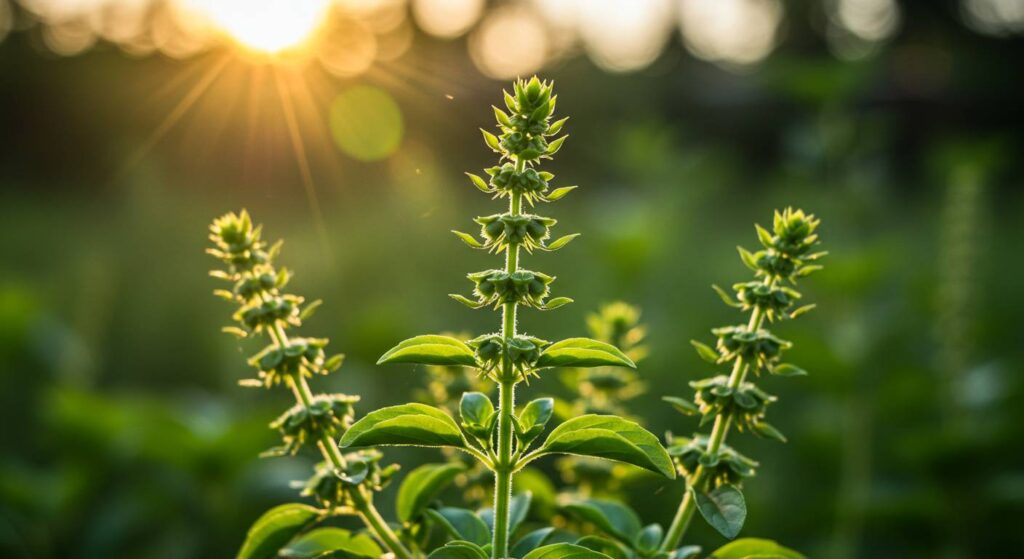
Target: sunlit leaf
[(408, 424), (467, 301), (430, 350), (557, 125), (501, 117), (583, 352), (491, 140), (611, 438), (556, 303), (335, 543), (479, 183), (559, 193), (763, 235), (555, 145), (561, 242), (470, 240), (748, 258)]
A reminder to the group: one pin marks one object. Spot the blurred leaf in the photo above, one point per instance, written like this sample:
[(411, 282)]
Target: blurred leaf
[(421, 486), (705, 352), (430, 350), (459, 550), (648, 540), (606, 546), (612, 518), (537, 538), (461, 524), (275, 529), (788, 370), (749, 548)]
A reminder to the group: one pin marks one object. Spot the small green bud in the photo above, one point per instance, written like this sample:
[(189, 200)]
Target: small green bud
[(727, 466)]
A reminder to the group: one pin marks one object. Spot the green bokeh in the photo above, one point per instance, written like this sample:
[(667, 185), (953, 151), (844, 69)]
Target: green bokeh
[(366, 123)]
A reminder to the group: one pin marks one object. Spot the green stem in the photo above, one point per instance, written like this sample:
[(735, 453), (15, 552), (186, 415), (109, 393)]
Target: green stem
[(362, 499), (504, 467), (715, 441), (503, 470)]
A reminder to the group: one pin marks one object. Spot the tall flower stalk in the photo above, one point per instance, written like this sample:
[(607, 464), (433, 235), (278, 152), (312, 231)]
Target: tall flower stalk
[(498, 436), (712, 468), (345, 483)]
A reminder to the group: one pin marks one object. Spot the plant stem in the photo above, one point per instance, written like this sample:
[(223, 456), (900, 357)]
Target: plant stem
[(715, 441), (504, 467), (503, 470), (362, 500)]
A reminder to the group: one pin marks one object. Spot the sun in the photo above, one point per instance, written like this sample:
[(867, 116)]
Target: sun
[(265, 26)]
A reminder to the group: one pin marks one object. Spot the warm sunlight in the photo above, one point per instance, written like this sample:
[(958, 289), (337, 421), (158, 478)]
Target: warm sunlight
[(265, 26)]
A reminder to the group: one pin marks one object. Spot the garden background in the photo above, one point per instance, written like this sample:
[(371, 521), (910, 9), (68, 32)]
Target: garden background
[(127, 125)]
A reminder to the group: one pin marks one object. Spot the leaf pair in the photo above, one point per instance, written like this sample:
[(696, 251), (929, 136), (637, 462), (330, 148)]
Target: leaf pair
[(445, 350), (600, 436)]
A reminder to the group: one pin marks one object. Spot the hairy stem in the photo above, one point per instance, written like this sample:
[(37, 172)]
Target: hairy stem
[(362, 500), (503, 470), (504, 466), (715, 441)]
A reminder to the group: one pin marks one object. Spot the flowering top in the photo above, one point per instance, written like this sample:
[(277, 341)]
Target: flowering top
[(257, 287), (498, 436), (713, 469)]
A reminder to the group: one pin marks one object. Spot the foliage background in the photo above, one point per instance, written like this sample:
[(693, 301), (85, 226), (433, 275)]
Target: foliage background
[(124, 433)]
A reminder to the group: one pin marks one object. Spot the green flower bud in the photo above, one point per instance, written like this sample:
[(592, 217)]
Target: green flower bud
[(728, 466), (490, 349), (747, 404), (758, 347), (301, 356), (327, 415), (332, 488)]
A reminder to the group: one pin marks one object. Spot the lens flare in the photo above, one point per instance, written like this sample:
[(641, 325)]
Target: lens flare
[(264, 26)]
